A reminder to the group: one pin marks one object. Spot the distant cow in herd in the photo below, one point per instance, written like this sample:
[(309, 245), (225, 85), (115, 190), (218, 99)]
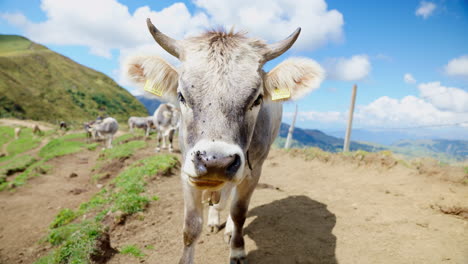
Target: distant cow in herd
[(230, 115), (105, 128), (145, 123), (17, 132), (166, 119)]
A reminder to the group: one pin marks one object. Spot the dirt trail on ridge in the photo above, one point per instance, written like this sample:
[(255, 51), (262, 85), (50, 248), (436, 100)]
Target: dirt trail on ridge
[(311, 211), (317, 212)]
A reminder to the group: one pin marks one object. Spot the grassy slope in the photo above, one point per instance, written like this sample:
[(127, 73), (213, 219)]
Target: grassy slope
[(37, 83)]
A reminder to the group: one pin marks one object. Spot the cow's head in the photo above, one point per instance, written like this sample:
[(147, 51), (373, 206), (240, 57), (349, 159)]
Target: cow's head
[(221, 87)]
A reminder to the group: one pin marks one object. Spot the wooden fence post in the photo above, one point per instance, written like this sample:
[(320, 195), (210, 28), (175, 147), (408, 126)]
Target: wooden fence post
[(347, 140)]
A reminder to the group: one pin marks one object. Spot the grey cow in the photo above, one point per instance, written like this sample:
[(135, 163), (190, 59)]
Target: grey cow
[(141, 122), (228, 119), (106, 128), (166, 118)]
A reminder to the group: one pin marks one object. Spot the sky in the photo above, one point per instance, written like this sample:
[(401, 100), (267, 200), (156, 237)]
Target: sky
[(409, 59)]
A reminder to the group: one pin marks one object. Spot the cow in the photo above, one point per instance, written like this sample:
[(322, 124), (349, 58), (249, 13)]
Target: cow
[(229, 119), (17, 132), (87, 126), (36, 129), (166, 119), (63, 125), (140, 122), (106, 129)]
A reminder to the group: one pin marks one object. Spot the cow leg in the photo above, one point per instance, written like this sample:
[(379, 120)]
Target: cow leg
[(193, 222), (110, 141), (214, 211), (159, 141), (171, 138), (239, 207), (147, 131), (164, 136)]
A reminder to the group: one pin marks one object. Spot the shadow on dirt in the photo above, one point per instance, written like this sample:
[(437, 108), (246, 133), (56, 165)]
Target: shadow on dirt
[(296, 229)]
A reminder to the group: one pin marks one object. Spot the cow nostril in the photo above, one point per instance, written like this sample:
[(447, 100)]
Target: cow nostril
[(234, 165)]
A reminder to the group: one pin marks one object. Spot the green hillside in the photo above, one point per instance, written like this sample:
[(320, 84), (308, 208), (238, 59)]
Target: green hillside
[(37, 83)]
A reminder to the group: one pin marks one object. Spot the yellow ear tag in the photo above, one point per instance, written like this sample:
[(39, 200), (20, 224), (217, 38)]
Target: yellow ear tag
[(280, 93), (154, 89)]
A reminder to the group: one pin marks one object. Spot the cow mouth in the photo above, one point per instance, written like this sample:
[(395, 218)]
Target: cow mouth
[(205, 183)]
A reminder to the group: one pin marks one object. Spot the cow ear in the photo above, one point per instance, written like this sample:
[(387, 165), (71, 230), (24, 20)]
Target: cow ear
[(154, 72), (293, 78)]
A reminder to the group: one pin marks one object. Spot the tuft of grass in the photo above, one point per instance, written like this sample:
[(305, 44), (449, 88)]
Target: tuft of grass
[(76, 241), (59, 147), (16, 165), (132, 250), (122, 138), (72, 136), (92, 146), (64, 217), (150, 247), (123, 150)]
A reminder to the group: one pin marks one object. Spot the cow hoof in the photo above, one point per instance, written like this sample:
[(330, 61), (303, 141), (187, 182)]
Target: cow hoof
[(214, 228), (158, 149), (238, 260)]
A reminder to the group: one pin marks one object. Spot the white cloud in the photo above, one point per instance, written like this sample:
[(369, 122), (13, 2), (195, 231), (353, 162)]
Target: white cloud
[(107, 25), (458, 66), (425, 9), (355, 68), (410, 111), (408, 78), (436, 106), (274, 20), (445, 98)]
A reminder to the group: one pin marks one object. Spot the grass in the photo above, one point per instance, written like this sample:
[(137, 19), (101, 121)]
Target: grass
[(132, 250), (123, 150), (59, 147), (74, 136), (64, 217), (26, 141), (57, 87), (17, 165), (149, 247), (6, 134), (122, 138), (75, 240), (30, 166)]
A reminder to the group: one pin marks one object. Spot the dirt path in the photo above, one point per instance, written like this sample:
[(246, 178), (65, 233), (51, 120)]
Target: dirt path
[(304, 212), (322, 213), (28, 211)]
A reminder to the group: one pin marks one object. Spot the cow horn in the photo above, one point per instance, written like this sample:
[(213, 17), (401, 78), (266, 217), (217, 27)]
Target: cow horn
[(276, 49), (169, 44)]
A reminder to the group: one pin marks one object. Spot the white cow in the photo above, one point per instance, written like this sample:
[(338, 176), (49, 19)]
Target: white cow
[(17, 132)]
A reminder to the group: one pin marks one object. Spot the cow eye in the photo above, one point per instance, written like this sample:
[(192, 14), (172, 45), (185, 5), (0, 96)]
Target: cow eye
[(180, 97), (258, 101)]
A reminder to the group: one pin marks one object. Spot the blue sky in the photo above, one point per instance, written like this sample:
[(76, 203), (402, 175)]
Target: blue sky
[(370, 43)]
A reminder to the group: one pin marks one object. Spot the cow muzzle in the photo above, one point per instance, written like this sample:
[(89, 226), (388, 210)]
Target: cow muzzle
[(211, 165)]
